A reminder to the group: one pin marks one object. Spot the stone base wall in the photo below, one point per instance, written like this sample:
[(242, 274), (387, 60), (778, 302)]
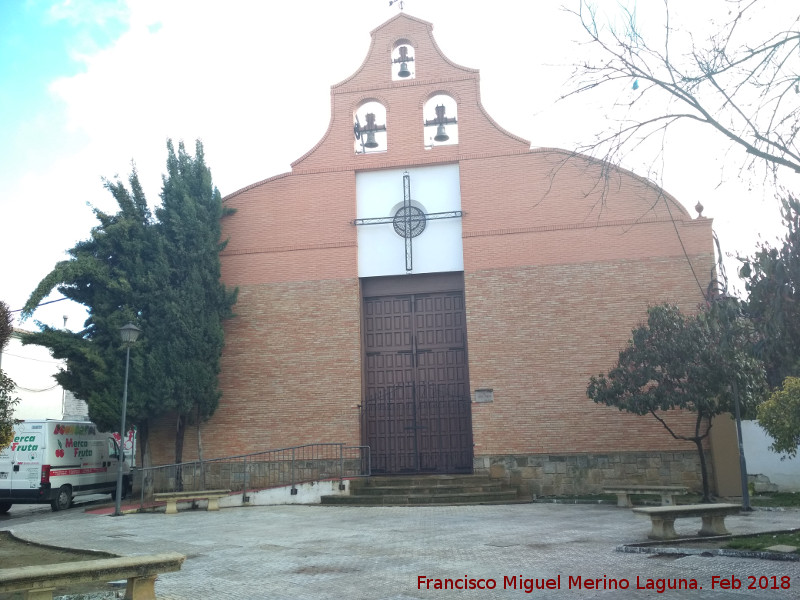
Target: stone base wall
[(577, 474)]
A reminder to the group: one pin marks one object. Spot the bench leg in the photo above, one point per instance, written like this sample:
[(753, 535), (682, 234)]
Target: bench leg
[(663, 528), (172, 507), (624, 501), (42, 594), (713, 525), (141, 588), (213, 504)]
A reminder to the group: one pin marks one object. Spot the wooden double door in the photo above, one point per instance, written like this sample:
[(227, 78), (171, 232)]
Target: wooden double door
[(416, 413)]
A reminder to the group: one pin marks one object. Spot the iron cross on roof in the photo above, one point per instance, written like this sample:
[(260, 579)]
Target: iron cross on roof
[(409, 221)]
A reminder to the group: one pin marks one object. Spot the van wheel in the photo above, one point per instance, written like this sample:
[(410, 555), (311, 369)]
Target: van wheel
[(64, 499), (4, 507)]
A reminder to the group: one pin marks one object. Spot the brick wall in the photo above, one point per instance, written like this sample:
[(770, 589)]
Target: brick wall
[(578, 474), (291, 372), (536, 335)]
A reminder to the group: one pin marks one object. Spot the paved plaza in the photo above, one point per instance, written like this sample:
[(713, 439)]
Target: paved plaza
[(311, 552)]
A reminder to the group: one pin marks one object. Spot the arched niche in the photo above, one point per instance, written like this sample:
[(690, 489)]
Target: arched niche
[(369, 128), (403, 61), (440, 121)]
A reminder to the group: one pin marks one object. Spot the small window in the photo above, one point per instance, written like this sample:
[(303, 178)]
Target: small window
[(403, 62), (369, 127), (440, 122)]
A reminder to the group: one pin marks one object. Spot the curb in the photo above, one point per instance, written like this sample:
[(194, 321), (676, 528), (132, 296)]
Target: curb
[(633, 549)]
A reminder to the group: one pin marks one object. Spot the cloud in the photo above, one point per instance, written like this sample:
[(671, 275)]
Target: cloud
[(88, 12)]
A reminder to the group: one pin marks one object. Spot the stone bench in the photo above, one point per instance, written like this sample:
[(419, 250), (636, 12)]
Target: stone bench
[(663, 518), (172, 498), (667, 493), (38, 582)]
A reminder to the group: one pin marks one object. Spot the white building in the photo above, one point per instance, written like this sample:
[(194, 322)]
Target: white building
[(765, 469)]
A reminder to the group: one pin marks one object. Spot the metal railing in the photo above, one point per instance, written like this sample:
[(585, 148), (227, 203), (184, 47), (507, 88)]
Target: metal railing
[(259, 470)]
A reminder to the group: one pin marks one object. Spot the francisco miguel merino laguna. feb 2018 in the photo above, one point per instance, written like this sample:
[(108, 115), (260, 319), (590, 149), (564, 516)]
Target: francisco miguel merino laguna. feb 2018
[(580, 582)]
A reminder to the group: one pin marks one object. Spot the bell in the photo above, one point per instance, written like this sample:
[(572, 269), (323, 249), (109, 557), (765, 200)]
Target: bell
[(441, 135), (404, 72), (370, 143)]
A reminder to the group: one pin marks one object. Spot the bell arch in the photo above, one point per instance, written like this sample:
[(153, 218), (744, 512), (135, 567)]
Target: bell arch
[(440, 120), (403, 60), (369, 127)]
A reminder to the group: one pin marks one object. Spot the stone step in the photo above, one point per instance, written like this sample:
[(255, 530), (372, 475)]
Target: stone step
[(504, 497), (421, 480), (427, 489), (390, 490)]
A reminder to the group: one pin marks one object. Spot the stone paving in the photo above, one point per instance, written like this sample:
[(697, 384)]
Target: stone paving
[(311, 552)]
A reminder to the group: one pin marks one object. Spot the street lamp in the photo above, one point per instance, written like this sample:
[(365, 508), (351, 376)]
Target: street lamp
[(129, 333), (742, 461)]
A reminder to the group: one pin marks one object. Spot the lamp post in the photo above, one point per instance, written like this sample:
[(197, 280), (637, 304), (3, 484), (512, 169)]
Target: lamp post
[(742, 461), (129, 334)]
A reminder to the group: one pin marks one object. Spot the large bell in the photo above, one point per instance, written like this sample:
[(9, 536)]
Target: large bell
[(441, 134), (370, 143), (404, 72)]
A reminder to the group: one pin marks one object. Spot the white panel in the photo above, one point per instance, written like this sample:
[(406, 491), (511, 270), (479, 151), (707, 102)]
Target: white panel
[(763, 461), (438, 249)]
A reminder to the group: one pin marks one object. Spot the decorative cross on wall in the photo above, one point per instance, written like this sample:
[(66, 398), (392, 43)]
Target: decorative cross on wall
[(409, 221)]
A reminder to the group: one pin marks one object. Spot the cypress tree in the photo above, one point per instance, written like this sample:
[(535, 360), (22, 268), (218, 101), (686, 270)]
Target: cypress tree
[(113, 274), (193, 300), (162, 274)]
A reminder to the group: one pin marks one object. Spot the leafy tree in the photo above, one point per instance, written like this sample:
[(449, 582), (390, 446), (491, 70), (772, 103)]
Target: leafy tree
[(772, 281), (742, 81), (7, 402), (696, 364), (6, 324), (780, 417)]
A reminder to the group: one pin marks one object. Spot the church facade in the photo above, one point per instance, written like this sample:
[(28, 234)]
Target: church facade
[(425, 283)]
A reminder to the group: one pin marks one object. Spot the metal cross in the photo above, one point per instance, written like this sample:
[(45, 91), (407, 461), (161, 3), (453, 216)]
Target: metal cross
[(409, 221)]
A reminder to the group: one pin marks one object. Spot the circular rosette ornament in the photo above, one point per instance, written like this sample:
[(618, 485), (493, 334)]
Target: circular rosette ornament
[(409, 222)]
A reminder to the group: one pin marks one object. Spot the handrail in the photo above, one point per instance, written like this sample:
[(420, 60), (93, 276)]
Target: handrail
[(257, 470)]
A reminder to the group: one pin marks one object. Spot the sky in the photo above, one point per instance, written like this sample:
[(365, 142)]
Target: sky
[(89, 87)]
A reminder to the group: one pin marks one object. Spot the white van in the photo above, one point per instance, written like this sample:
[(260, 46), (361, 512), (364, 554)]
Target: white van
[(53, 461)]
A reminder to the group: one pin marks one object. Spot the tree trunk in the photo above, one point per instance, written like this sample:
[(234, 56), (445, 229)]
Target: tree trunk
[(200, 448), (703, 470), (698, 441), (180, 429), (146, 460)]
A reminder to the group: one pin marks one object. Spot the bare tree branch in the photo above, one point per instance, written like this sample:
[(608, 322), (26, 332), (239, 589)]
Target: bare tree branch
[(743, 81)]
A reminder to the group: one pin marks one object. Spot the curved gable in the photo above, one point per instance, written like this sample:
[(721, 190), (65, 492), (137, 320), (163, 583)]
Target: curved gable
[(407, 141)]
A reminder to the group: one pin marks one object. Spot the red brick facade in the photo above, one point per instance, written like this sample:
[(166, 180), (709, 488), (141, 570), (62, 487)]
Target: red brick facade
[(559, 264)]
